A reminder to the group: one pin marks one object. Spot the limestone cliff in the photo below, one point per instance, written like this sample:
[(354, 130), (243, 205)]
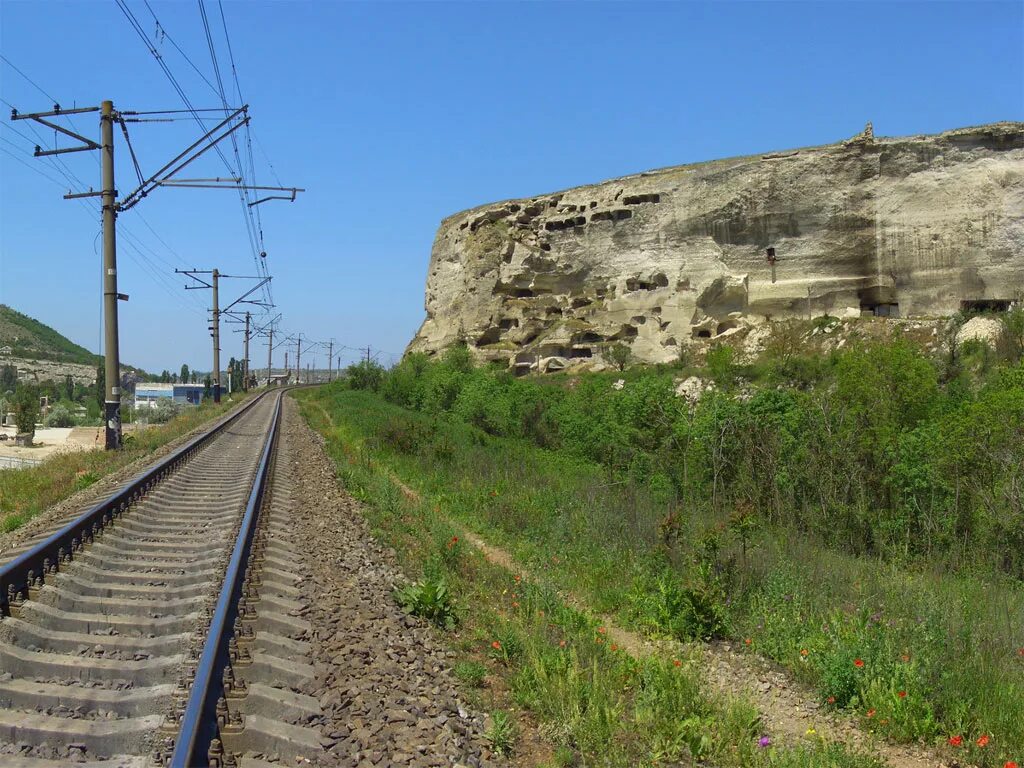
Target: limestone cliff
[(908, 226)]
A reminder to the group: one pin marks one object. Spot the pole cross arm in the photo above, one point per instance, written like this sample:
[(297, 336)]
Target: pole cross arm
[(87, 144), (214, 136), (240, 299)]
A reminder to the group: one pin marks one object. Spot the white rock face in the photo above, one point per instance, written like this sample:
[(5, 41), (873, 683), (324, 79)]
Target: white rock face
[(988, 330), (908, 226)]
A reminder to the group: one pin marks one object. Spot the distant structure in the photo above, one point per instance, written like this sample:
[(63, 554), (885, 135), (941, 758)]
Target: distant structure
[(147, 395), (887, 227)]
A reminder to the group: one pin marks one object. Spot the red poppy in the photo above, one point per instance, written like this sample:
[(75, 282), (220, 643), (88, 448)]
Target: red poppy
[(1009, 764), (747, 641), (871, 713), (561, 643), (982, 740), (858, 663), (902, 694), (905, 658), (601, 630), (515, 604), (615, 647), (677, 662), (831, 699), (803, 651), (496, 645), (956, 741)]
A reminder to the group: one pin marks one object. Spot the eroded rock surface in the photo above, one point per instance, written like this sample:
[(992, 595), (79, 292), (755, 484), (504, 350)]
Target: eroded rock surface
[(893, 226)]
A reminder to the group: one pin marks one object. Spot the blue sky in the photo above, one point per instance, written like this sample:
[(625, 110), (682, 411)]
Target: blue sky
[(395, 115)]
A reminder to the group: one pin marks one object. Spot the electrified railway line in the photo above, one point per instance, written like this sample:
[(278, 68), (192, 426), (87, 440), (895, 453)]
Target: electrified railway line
[(163, 626)]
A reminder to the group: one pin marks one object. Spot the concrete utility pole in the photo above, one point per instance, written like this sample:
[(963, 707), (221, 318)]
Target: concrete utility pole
[(298, 360), (111, 350), (270, 354), (216, 337), (330, 359), (287, 370), (245, 363)]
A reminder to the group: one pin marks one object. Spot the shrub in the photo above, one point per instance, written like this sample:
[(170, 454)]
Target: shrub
[(429, 599), (26, 408), (163, 411), (59, 416)]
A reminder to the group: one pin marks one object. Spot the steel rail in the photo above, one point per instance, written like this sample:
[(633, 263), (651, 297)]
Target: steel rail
[(32, 566), (199, 721)]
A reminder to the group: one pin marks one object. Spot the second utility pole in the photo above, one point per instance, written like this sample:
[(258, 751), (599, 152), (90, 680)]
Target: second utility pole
[(216, 339), (112, 362), (245, 364)]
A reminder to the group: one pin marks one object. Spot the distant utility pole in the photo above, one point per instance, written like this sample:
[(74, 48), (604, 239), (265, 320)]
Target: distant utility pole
[(245, 362), (330, 358), (110, 207), (287, 370), (217, 311), (367, 355), (298, 360)]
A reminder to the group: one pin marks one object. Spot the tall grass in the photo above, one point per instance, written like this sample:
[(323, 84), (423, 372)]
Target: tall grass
[(949, 642)]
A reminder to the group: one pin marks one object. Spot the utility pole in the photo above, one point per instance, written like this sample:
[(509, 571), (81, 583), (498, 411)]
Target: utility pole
[(298, 360), (217, 311), (216, 338), (270, 355), (111, 207), (111, 350), (330, 359), (367, 356), (245, 363), (287, 370)]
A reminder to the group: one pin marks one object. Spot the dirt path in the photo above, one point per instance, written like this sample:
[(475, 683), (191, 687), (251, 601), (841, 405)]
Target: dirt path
[(790, 712)]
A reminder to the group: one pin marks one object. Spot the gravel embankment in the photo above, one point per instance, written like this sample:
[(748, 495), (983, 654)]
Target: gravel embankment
[(383, 678)]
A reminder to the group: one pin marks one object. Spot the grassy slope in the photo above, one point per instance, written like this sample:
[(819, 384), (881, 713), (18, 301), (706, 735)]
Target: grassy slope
[(596, 703), (32, 339)]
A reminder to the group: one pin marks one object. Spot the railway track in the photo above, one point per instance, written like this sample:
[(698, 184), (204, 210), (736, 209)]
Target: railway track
[(163, 626)]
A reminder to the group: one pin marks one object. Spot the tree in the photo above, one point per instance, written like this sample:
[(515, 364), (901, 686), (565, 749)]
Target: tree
[(184, 374), (8, 379), (69, 388), (26, 409), (619, 355)]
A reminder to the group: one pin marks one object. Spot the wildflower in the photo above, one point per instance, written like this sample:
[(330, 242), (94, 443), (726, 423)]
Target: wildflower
[(810, 732), (677, 662), (956, 741), (615, 647), (1009, 764), (871, 712), (561, 643), (905, 658), (1020, 652), (982, 740), (902, 694), (804, 652), (598, 640), (517, 578), (831, 699), (858, 663), (763, 742), (884, 721), (747, 641), (601, 630), (515, 604), (496, 645)]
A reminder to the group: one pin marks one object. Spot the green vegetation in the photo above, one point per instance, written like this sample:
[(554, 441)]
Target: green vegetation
[(28, 338), (24, 493), (595, 702), (856, 517)]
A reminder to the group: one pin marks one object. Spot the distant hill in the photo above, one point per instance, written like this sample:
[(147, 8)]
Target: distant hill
[(29, 339)]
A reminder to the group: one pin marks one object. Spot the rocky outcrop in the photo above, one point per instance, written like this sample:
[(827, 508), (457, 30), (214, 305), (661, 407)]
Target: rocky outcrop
[(895, 226)]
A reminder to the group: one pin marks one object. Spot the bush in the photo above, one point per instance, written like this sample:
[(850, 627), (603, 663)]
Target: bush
[(429, 599), (163, 411), (26, 408), (59, 416)]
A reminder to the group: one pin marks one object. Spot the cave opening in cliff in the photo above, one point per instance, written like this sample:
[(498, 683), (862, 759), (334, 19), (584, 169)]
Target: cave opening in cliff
[(581, 352), (882, 309), (984, 305)]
